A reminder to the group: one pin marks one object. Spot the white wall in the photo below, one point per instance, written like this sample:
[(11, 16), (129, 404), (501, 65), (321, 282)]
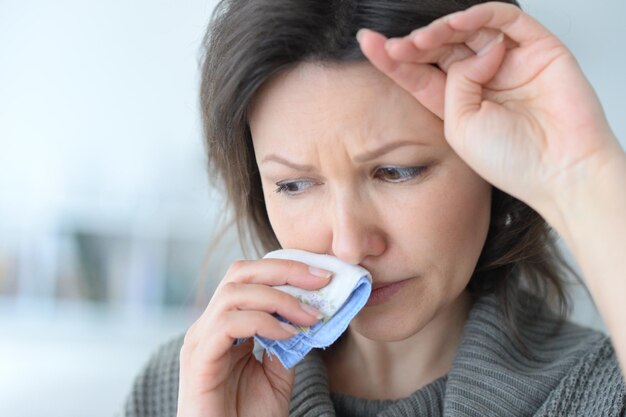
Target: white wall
[(99, 126), (99, 123)]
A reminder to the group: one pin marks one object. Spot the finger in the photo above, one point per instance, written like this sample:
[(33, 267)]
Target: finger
[(465, 84), (478, 40), (236, 296), (258, 297), (507, 18), (425, 82), (235, 325), (277, 272), (402, 49), (439, 33), (244, 324)]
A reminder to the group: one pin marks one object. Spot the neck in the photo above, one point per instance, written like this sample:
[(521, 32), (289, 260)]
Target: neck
[(374, 369)]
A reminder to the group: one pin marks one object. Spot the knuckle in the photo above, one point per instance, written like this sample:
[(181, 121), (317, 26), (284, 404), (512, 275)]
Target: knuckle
[(280, 301), (294, 267), (185, 350), (233, 329), (253, 328), (289, 306), (221, 324), (289, 301), (262, 321), (230, 288), (182, 357), (270, 322), (235, 268), (190, 335)]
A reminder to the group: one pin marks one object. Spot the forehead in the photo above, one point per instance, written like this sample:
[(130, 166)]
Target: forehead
[(336, 99)]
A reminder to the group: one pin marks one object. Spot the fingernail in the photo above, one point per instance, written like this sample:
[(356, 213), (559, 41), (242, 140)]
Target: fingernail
[(312, 311), (491, 45), (289, 328), (321, 273), (360, 33)]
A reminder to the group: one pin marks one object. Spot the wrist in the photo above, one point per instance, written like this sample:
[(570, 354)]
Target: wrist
[(589, 191), (590, 198)]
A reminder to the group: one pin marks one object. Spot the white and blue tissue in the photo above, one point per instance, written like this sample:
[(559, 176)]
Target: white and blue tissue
[(339, 302)]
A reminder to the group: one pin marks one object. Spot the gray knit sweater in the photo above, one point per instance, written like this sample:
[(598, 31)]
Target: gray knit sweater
[(571, 373)]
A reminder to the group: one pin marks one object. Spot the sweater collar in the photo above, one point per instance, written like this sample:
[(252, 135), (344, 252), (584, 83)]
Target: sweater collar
[(496, 372), (492, 372)]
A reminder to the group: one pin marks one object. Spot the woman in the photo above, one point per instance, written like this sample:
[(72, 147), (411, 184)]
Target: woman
[(431, 157)]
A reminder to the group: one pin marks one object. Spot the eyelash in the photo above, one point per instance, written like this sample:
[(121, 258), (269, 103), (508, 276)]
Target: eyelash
[(413, 172)]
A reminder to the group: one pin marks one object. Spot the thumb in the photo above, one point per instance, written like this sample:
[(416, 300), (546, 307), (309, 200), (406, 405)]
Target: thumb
[(280, 377), (464, 84)]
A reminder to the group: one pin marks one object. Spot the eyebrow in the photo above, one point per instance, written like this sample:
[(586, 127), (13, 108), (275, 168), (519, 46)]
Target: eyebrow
[(364, 157), (368, 156), (280, 160)]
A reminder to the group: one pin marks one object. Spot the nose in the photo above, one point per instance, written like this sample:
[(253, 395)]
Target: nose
[(356, 230)]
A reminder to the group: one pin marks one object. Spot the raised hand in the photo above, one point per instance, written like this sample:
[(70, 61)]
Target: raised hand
[(515, 103)]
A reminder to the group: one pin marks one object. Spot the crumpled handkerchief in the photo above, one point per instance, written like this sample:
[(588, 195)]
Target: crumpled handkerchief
[(339, 301)]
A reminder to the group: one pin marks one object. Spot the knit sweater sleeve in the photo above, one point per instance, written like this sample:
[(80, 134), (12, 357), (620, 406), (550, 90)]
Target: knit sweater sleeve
[(155, 389)]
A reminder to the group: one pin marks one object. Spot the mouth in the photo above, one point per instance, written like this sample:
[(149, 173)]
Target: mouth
[(384, 291), (383, 284), (386, 284)]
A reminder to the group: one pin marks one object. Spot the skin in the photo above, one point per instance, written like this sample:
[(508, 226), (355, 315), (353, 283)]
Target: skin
[(501, 83), (429, 229)]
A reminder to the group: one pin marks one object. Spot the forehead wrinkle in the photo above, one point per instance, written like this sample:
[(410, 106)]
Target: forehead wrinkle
[(333, 115)]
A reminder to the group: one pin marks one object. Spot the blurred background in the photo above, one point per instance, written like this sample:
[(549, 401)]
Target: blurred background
[(106, 214)]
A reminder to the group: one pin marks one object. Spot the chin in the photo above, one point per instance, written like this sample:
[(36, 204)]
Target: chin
[(393, 325)]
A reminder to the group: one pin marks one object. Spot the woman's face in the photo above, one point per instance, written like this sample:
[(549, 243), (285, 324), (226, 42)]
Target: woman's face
[(353, 166)]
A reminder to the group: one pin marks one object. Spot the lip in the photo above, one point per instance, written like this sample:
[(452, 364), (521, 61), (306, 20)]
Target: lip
[(385, 291), (384, 284)]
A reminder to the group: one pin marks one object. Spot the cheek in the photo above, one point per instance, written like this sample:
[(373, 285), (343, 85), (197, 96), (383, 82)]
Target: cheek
[(444, 223), (453, 218), (295, 224)]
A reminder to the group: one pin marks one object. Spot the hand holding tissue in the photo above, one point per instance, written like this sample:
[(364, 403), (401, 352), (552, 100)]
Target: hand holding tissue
[(339, 301)]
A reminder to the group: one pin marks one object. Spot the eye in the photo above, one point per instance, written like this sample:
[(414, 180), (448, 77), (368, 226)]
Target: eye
[(292, 187), (387, 174), (398, 174)]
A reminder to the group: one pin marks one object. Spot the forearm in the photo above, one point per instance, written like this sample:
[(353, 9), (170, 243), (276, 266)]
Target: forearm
[(591, 219)]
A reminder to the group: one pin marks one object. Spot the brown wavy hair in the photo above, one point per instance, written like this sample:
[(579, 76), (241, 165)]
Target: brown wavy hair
[(250, 41)]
